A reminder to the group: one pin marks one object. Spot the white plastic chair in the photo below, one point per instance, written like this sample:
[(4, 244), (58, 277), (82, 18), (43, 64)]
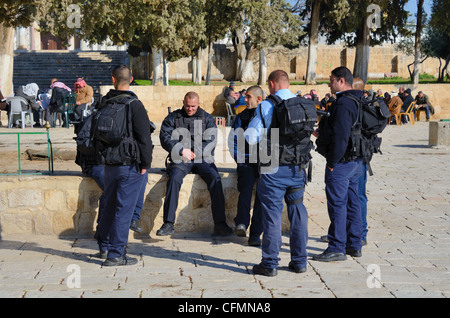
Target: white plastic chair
[(231, 116), (15, 103)]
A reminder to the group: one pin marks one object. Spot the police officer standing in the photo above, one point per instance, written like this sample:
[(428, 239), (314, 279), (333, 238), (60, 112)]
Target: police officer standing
[(126, 164), (342, 171), (193, 151), (246, 158), (284, 181)]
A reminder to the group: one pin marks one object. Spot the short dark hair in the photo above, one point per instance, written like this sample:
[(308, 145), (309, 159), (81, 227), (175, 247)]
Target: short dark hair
[(278, 76), (343, 72), (122, 74), (256, 89), (191, 95)]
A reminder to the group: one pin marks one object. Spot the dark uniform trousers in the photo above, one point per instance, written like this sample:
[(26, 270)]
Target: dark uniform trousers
[(286, 182), (344, 206), (208, 172), (122, 188), (247, 175)]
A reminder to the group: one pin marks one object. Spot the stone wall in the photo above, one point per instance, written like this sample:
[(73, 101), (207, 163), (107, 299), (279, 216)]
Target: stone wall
[(68, 205), (384, 59), (157, 99)]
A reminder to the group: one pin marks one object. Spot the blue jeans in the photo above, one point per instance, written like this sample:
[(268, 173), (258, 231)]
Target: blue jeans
[(122, 186), (344, 206), (288, 183)]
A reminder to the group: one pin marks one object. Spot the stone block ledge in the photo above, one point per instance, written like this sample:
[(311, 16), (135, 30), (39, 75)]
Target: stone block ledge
[(67, 205)]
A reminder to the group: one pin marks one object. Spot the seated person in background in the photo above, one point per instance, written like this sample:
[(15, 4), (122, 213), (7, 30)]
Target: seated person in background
[(394, 104), (240, 103), (423, 103), (29, 92), (327, 99), (380, 93), (84, 96), (407, 100), (59, 91), (230, 95)]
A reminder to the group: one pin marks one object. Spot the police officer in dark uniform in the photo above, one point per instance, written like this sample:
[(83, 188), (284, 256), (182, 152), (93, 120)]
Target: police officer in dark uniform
[(342, 171), (125, 167), (246, 158), (193, 152)]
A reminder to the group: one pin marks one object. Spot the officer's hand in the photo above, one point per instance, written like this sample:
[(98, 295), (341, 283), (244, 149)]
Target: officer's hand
[(331, 169), (316, 133), (187, 155), (143, 171)]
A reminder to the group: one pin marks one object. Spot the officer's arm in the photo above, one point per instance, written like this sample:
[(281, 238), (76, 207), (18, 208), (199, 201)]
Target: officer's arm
[(342, 124), (165, 134), (141, 132), (260, 123)]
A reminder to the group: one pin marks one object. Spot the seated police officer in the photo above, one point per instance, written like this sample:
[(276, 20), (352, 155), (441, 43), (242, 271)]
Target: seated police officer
[(246, 158), (192, 151), (343, 169)]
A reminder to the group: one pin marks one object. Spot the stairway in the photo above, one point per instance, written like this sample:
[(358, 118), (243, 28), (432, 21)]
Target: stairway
[(41, 66)]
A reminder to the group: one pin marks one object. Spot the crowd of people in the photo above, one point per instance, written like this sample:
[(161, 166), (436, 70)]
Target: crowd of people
[(122, 175), (44, 103), (122, 156)]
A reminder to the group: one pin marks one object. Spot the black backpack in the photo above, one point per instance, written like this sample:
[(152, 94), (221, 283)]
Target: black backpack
[(110, 124), (295, 118), (373, 116), (83, 139)]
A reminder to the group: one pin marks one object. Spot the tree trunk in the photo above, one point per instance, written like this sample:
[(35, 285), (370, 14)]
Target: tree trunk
[(165, 70), (157, 61), (361, 67), (313, 43), (208, 70), (6, 60), (197, 68), (415, 75), (244, 66), (262, 67)]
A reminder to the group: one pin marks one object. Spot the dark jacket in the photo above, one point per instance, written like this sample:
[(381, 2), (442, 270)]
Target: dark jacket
[(141, 127), (242, 120), (407, 100), (175, 119), (335, 131), (57, 99)]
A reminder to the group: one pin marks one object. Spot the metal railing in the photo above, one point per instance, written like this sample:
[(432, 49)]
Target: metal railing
[(49, 149)]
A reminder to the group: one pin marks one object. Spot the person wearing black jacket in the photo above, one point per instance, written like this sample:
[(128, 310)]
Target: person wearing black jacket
[(193, 152), (342, 171), (123, 172)]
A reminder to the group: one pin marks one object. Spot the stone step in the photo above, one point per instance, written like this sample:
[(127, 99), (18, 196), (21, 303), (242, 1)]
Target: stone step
[(39, 67)]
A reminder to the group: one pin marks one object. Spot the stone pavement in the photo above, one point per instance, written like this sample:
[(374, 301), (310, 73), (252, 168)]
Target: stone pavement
[(407, 255)]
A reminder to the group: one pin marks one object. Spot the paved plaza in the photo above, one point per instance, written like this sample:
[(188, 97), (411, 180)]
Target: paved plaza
[(407, 255)]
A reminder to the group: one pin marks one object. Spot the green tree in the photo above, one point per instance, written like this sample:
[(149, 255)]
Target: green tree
[(347, 20), (267, 23), (13, 14)]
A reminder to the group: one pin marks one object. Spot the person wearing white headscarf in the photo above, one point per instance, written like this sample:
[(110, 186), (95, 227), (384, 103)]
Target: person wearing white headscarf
[(30, 93)]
